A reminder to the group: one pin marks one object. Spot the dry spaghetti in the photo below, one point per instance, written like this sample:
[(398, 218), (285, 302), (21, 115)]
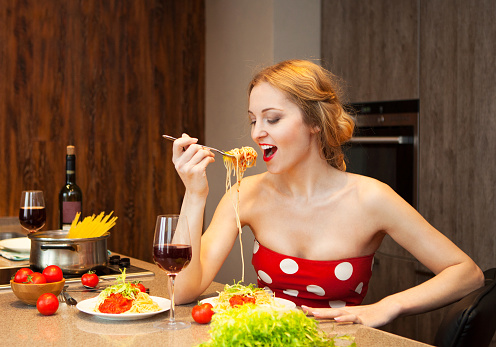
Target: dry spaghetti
[(94, 226), (244, 158)]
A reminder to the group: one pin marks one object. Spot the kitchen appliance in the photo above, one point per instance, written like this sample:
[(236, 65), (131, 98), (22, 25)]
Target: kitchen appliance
[(385, 145), (73, 256), (109, 272)]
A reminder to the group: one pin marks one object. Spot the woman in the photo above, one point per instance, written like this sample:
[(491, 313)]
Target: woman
[(316, 226)]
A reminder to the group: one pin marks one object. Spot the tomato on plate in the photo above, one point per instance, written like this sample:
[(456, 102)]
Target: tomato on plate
[(202, 313), (36, 278), (115, 303), (21, 275), (90, 279), (139, 285), (238, 300), (53, 273), (47, 304)]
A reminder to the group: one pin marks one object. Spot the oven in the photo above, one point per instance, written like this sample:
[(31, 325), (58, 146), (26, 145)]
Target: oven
[(385, 145)]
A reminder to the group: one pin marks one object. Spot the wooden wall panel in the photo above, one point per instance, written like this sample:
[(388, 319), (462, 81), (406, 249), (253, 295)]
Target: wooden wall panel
[(373, 46), (456, 62), (458, 122), (109, 77)]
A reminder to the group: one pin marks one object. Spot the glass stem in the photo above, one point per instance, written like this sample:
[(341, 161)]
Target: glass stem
[(172, 316)]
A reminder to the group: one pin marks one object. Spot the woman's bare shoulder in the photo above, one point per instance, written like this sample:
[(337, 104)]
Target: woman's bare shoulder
[(252, 184), (372, 192)]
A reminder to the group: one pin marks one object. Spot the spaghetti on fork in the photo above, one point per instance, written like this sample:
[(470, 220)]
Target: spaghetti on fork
[(244, 158)]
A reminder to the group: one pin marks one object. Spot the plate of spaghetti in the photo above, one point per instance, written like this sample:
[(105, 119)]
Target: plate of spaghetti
[(237, 295), (124, 301), (89, 306)]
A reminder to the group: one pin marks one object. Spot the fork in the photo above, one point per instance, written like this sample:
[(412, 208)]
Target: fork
[(211, 148), (65, 297)]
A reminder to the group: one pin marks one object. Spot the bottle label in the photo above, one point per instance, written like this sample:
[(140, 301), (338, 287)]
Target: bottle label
[(70, 208)]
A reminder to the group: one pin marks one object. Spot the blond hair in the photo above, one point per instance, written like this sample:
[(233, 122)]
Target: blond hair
[(314, 90)]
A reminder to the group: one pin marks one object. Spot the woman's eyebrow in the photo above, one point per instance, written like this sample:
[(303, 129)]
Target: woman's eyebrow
[(267, 109)]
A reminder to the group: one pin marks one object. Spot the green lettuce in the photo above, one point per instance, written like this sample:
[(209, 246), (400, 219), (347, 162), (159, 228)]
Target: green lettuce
[(251, 325)]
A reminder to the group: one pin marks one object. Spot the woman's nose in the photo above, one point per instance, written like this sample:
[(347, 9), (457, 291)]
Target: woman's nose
[(257, 131)]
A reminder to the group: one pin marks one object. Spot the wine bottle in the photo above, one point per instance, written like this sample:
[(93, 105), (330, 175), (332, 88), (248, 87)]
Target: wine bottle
[(70, 196)]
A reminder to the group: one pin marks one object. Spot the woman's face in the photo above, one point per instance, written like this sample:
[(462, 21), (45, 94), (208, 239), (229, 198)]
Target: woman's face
[(277, 127)]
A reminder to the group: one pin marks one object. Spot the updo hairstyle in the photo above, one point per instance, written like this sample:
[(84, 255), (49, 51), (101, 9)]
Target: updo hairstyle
[(313, 89)]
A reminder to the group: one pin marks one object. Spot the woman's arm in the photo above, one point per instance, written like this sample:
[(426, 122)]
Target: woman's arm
[(211, 249), (209, 252), (456, 274)]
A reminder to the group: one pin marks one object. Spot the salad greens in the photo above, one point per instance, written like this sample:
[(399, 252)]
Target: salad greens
[(126, 289), (251, 325), (238, 288)]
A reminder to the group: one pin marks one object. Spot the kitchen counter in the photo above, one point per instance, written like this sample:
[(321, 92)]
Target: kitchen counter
[(22, 325)]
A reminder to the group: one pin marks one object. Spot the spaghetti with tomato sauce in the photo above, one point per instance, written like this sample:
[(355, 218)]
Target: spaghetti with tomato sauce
[(115, 303), (125, 297)]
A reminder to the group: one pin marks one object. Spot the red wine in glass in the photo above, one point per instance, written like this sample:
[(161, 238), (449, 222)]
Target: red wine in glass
[(32, 213), (172, 253), (172, 258), (32, 218)]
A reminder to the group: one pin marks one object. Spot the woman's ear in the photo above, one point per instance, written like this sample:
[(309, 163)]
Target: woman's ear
[(314, 130)]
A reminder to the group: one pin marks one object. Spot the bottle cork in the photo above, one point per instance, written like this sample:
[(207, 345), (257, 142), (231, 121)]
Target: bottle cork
[(71, 150)]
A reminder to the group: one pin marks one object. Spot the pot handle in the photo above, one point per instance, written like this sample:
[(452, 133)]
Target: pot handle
[(58, 246)]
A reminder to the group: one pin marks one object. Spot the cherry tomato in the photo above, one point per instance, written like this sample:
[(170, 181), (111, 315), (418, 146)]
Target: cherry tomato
[(53, 273), (90, 279), (139, 285), (47, 304), (202, 313), (21, 275), (36, 278)]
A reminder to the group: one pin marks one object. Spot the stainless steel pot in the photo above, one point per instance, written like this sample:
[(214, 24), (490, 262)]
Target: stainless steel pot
[(73, 256)]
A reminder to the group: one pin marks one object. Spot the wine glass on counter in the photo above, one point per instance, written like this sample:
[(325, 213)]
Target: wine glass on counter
[(32, 213), (172, 253)]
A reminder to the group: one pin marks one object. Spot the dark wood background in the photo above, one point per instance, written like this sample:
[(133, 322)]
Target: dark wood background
[(443, 53), (109, 77)]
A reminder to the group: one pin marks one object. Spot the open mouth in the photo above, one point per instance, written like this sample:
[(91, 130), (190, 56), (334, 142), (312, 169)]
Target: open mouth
[(268, 151)]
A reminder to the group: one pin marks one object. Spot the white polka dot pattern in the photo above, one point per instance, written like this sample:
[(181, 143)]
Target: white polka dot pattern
[(315, 283), (343, 271), (256, 246), (359, 288), (288, 266), (264, 277), (337, 303), (316, 290), (291, 292)]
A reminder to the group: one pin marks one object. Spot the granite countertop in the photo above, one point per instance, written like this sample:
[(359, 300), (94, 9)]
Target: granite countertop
[(22, 325)]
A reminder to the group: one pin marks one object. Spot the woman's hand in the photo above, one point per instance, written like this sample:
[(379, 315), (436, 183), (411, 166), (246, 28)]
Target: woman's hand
[(191, 161), (374, 315)]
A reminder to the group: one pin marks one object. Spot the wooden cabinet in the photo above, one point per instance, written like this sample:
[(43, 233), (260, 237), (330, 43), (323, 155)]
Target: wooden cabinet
[(373, 46), (442, 52)]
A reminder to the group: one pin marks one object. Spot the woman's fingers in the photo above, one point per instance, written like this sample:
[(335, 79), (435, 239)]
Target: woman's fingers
[(185, 151), (340, 315), (181, 145)]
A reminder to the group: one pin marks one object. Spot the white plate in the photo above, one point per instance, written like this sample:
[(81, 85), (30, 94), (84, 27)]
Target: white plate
[(88, 306), (284, 302), (18, 244)]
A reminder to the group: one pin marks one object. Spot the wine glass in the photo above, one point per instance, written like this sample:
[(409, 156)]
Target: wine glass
[(32, 213), (172, 253)]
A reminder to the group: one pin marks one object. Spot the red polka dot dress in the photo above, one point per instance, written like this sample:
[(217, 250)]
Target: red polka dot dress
[(314, 283)]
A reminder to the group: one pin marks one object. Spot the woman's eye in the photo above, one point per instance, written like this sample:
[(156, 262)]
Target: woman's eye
[(273, 120)]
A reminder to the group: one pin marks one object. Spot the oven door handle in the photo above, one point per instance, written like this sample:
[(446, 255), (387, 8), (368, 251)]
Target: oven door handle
[(400, 140)]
